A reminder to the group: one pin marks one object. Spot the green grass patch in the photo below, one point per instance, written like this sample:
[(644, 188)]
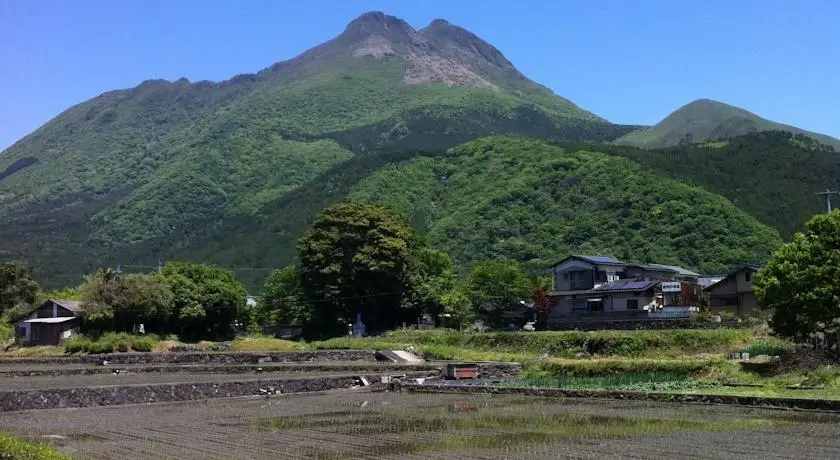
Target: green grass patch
[(110, 342), (258, 343), (676, 342), (631, 381), (557, 368), (770, 346), (12, 448)]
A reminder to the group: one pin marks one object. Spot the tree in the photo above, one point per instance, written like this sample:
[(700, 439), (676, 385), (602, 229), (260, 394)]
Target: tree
[(542, 307), (207, 300), (494, 287), (354, 260), (431, 276), (283, 300), (799, 283), (120, 303), (17, 285)]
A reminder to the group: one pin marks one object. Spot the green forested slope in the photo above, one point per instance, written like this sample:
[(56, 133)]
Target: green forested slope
[(142, 172), (771, 175), (704, 120), (524, 199)]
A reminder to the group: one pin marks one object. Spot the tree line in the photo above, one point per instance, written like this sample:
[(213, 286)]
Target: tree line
[(355, 259)]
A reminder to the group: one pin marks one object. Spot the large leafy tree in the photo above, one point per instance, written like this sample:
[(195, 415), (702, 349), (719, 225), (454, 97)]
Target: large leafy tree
[(114, 302), (496, 286), (207, 300), (431, 276), (283, 300), (17, 285), (800, 282), (355, 260)]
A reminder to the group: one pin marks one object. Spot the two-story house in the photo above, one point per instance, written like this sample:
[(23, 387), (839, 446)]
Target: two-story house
[(594, 285), (734, 293)]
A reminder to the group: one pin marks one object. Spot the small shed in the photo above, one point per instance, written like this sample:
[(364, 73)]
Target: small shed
[(53, 322)]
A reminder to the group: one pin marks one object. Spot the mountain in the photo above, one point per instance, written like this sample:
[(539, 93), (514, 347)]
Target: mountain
[(148, 169), (704, 120), (771, 175), (433, 121)]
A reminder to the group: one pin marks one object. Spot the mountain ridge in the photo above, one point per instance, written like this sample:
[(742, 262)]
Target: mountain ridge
[(707, 120)]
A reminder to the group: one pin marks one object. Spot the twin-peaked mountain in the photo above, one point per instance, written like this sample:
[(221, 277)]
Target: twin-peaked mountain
[(232, 172)]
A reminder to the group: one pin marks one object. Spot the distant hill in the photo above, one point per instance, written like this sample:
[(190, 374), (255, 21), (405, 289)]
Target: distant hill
[(704, 120)]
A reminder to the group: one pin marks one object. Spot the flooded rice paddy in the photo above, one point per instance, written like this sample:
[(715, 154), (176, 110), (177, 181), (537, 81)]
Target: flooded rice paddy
[(413, 426)]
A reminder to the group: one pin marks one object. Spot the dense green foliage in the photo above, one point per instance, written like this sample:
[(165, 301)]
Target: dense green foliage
[(536, 203), (283, 300), (495, 287), (208, 301), (705, 120), (17, 286), (119, 303), (354, 261), (800, 282), (771, 175)]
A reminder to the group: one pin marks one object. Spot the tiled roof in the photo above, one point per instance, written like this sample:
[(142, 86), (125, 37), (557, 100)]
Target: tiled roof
[(626, 285)]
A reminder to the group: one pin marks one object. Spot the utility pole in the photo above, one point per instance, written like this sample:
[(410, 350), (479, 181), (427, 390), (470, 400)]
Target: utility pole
[(827, 193)]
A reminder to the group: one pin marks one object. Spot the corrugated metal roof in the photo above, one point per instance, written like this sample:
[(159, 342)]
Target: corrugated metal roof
[(627, 285), (60, 319), (601, 260), (676, 268)]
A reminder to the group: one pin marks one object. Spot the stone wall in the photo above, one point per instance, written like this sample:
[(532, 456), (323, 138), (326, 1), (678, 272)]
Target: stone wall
[(201, 358), (785, 403), (154, 393), (498, 370), (252, 369)]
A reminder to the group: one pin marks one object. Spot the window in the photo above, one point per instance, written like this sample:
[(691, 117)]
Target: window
[(632, 304), (748, 276), (33, 332)]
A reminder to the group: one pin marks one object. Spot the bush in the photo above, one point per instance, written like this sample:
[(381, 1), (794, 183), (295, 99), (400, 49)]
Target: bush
[(77, 344), (560, 368), (100, 347), (143, 344), (12, 448), (770, 347)]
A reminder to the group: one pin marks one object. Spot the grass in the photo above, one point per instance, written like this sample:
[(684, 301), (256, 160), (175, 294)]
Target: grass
[(12, 448), (258, 343), (34, 352)]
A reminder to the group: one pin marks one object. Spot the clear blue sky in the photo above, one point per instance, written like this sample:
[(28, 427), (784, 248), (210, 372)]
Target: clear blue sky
[(627, 61)]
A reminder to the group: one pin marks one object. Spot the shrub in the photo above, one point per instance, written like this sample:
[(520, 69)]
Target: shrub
[(769, 346), (12, 448), (77, 344), (99, 347), (143, 344)]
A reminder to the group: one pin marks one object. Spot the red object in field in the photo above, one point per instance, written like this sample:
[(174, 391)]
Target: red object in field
[(462, 371)]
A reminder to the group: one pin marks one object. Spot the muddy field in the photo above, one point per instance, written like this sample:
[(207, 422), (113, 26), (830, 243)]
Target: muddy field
[(405, 425)]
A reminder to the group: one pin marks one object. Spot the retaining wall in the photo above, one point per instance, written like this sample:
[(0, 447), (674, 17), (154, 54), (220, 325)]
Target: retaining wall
[(786, 403), (202, 357)]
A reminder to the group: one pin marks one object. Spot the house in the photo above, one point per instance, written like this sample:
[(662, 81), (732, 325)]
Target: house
[(605, 287), (734, 293), (53, 322)]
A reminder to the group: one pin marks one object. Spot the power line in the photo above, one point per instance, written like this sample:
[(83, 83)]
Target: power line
[(827, 193)]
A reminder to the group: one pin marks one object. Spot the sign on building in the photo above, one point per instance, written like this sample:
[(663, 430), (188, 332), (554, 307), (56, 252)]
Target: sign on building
[(671, 286)]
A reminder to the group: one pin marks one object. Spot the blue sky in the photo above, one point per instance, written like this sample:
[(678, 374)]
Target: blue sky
[(627, 61)]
